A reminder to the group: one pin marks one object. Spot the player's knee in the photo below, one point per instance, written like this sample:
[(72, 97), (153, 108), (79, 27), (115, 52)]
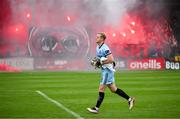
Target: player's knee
[(101, 89), (112, 90)]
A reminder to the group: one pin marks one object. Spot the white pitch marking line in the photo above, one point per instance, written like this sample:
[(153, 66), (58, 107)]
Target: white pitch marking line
[(59, 105)]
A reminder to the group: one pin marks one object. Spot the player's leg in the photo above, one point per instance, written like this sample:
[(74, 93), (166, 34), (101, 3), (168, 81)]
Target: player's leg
[(102, 87), (118, 91), (101, 95), (99, 100), (121, 93)]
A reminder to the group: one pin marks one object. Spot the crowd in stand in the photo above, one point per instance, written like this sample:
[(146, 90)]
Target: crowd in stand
[(157, 40)]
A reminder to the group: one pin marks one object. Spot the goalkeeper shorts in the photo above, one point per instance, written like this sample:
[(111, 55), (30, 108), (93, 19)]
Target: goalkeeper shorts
[(107, 76)]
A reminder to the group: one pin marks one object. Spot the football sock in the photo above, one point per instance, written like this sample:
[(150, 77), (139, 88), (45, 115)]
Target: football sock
[(122, 94), (100, 99)]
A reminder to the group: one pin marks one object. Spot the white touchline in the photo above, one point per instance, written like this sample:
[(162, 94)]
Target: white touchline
[(59, 105)]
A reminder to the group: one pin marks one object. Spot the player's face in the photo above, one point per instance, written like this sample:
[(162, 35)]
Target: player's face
[(99, 39)]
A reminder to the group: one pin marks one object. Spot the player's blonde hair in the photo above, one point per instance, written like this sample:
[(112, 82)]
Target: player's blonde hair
[(102, 35)]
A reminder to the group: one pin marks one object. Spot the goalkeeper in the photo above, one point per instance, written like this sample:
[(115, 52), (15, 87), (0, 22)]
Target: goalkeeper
[(105, 61)]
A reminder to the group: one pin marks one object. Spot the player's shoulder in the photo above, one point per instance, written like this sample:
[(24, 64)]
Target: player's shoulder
[(105, 46)]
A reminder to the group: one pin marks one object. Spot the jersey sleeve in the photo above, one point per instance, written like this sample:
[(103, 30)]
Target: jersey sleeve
[(106, 51)]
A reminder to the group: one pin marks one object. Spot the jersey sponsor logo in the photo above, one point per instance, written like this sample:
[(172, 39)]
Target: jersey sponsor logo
[(146, 64)]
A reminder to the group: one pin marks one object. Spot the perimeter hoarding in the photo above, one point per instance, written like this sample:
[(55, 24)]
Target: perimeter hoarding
[(146, 64)]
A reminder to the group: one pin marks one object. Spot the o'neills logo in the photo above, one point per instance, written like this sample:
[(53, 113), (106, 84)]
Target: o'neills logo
[(146, 64)]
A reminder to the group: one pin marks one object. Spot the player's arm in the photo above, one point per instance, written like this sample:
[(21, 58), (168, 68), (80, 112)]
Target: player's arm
[(110, 59)]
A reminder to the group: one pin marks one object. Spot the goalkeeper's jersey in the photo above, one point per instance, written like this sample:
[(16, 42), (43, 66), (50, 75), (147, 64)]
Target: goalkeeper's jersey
[(102, 51)]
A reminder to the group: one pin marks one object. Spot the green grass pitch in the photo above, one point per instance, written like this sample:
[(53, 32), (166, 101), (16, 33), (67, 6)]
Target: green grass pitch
[(157, 95)]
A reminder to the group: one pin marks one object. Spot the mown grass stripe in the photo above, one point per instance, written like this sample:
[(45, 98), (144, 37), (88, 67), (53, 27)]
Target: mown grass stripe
[(59, 105)]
